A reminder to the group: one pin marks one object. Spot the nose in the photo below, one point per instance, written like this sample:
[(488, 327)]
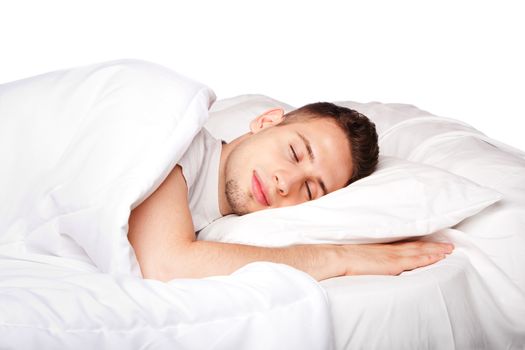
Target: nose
[(287, 180)]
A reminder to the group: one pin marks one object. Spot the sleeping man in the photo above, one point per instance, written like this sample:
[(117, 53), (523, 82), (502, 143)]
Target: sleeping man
[(285, 159)]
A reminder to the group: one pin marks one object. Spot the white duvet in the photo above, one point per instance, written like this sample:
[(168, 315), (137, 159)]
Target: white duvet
[(84, 146), (54, 303)]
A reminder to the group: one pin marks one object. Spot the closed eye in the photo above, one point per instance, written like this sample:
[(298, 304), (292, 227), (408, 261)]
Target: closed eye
[(306, 183), (294, 154), (308, 190)]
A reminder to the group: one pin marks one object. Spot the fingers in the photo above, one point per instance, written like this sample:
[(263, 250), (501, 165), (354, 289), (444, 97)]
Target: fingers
[(420, 254), (408, 263), (412, 255), (393, 258), (423, 248)]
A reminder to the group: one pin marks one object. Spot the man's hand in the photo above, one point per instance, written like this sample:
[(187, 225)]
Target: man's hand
[(393, 258)]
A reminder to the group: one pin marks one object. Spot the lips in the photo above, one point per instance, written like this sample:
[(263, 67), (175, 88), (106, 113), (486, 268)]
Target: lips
[(258, 190)]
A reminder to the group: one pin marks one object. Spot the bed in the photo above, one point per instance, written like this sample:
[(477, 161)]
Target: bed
[(78, 146)]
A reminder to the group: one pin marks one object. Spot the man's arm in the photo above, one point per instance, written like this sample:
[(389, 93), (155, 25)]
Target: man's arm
[(162, 235)]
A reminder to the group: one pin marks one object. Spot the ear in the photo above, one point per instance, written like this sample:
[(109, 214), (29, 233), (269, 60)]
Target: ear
[(269, 118)]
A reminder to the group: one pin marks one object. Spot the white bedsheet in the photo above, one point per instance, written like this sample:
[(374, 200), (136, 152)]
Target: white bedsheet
[(462, 302)]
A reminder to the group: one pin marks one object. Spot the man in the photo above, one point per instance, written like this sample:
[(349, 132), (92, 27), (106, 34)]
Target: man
[(283, 160)]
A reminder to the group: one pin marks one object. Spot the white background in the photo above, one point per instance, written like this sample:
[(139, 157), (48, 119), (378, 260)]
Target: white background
[(459, 59)]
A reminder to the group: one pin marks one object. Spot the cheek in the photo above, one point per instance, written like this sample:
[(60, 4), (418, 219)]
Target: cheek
[(264, 157), (257, 156), (238, 166)]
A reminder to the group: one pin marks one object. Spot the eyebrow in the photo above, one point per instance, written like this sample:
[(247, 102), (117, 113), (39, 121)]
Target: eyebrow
[(312, 158)]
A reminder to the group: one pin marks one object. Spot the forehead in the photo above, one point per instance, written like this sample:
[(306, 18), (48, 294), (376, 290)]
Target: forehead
[(330, 148)]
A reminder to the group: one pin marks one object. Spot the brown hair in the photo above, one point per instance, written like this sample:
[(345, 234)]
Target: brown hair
[(359, 130)]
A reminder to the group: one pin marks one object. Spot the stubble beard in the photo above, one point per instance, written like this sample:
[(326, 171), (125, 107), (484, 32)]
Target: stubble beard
[(236, 198)]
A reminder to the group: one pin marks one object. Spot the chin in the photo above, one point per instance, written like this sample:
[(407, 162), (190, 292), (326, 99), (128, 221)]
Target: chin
[(248, 208)]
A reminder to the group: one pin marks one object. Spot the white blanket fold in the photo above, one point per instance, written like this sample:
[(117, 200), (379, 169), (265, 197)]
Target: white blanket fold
[(47, 304), (93, 143)]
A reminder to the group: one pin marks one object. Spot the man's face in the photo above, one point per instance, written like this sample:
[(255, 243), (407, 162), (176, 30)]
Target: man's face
[(277, 166)]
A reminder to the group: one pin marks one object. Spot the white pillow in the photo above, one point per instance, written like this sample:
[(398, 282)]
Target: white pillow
[(230, 118), (401, 199)]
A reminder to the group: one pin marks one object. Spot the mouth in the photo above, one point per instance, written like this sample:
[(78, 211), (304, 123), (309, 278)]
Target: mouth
[(258, 190)]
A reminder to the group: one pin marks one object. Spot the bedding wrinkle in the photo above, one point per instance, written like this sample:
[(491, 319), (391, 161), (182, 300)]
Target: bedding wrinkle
[(451, 336), (497, 296), (450, 327), (424, 120), (76, 96), (301, 303)]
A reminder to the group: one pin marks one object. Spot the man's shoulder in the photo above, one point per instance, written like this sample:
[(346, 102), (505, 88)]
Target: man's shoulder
[(197, 155)]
